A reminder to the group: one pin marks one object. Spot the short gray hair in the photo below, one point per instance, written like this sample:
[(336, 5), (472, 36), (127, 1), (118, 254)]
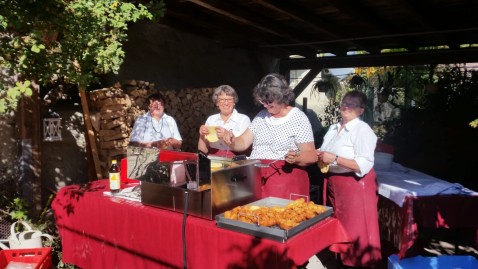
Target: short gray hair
[(228, 90), (273, 87)]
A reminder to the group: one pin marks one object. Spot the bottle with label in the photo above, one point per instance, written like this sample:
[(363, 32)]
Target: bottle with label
[(114, 175)]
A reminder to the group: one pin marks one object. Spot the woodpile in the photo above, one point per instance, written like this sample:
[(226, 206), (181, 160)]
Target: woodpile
[(113, 111)]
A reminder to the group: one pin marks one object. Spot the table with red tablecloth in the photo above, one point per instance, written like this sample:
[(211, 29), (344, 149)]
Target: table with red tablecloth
[(101, 231), (412, 203)]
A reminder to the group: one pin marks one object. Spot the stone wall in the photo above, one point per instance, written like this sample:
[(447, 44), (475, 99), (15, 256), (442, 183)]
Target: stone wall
[(174, 60), (114, 110)]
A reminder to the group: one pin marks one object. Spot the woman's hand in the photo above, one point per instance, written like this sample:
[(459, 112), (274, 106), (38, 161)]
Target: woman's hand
[(203, 130), (227, 137), (172, 142), (292, 155), (325, 156), (160, 144), (328, 157), (303, 156), (319, 153), (221, 132)]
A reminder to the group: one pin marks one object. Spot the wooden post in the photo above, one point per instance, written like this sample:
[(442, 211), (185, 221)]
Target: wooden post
[(90, 136), (30, 131)]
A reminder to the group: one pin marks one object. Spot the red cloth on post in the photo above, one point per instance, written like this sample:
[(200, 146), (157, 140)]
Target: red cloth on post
[(99, 231), (442, 211)]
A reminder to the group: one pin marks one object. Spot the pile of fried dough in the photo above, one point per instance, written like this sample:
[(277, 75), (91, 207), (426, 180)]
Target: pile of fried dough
[(286, 217)]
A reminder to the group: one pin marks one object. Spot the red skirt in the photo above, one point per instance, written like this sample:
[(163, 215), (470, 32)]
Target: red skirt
[(284, 180), (355, 205)]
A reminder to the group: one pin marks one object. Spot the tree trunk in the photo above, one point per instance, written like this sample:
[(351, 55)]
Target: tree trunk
[(30, 133)]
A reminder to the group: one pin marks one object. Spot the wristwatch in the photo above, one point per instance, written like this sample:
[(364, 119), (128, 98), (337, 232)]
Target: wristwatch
[(335, 161)]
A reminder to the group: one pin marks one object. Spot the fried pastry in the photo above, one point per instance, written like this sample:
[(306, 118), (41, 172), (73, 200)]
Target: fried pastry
[(286, 217), (324, 167)]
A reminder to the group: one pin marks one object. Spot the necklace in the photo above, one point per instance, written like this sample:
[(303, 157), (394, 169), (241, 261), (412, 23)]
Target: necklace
[(160, 129)]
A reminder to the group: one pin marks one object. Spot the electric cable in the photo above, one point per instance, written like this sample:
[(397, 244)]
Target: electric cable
[(183, 230)]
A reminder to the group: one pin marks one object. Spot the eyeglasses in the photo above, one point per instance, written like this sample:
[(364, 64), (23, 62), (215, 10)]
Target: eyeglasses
[(264, 103), (156, 104), (348, 105), (225, 100)]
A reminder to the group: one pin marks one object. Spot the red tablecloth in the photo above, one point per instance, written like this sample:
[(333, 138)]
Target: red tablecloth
[(99, 231), (402, 225)]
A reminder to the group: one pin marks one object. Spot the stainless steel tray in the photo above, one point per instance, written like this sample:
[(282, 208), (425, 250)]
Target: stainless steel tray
[(274, 233)]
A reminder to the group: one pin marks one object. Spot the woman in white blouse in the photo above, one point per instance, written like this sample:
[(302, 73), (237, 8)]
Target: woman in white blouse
[(282, 134), (351, 184), (155, 128), (225, 98)]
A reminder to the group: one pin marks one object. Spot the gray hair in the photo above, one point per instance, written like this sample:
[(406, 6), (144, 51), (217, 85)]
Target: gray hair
[(273, 87), (228, 90)]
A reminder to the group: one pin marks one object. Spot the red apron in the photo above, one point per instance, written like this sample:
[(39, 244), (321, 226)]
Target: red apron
[(221, 153), (355, 205), (284, 180)]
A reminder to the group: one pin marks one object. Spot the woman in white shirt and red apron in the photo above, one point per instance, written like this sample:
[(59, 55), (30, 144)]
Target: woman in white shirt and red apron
[(225, 98), (351, 183)]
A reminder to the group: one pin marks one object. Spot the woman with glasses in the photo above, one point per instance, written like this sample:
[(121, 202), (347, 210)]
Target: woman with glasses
[(348, 150), (225, 98), (155, 128), (281, 137)]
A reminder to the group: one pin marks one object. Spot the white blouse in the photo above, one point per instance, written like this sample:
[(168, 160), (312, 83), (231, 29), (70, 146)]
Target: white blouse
[(238, 123), (148, 129), (357, 141)]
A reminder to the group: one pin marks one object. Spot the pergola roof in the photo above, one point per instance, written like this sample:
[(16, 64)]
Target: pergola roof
[(309, 28)]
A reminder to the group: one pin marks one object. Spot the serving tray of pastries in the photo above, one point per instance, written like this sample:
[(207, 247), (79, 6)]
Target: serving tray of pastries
[(274, 218)]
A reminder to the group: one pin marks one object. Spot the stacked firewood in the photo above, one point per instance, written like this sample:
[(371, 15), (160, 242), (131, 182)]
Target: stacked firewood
[(113, 111)]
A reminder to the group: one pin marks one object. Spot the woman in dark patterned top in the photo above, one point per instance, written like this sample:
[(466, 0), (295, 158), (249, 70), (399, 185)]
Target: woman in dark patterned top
[(280, 133)]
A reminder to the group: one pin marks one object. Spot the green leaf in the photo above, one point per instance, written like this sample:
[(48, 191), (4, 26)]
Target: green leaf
[(35, 49), (3, 22), (3, 106), (91, 36), (28, 92)]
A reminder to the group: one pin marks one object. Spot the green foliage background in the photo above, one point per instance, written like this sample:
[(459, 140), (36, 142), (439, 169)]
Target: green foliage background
[(69, 40), (436, 137)]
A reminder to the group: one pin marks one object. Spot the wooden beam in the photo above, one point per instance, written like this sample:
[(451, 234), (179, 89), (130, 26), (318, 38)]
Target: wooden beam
[(306, 80), (234, 17), (301, 17), (468, 55), (288, 13), (90, 135)]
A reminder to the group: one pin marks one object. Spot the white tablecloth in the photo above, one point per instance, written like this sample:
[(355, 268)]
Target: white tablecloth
[(398, 181)]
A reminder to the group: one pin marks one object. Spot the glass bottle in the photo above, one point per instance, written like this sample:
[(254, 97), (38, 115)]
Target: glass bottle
[(114, 176)]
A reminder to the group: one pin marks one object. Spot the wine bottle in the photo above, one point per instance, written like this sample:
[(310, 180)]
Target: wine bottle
[(114, 176)]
